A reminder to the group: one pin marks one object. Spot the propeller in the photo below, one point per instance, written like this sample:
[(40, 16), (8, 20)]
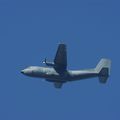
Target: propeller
[(44, 62)]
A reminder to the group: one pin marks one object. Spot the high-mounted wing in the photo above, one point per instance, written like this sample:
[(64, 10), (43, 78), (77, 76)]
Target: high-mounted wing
[(61, 57), (58, 84)]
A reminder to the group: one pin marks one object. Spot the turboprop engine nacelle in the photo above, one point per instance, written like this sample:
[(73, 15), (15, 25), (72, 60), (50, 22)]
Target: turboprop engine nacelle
[(48, 63)]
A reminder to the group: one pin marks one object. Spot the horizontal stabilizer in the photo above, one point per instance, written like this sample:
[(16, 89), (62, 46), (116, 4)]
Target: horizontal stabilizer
[(103, 70)]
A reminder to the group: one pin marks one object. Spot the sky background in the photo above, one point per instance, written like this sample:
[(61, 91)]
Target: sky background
[(30, 30)]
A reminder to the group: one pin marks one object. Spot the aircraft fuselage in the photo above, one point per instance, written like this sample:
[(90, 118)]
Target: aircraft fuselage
[(50, 74), (58, 73)]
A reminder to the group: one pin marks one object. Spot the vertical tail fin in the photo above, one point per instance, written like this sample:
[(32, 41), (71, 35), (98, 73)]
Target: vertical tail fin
[(103, 70)]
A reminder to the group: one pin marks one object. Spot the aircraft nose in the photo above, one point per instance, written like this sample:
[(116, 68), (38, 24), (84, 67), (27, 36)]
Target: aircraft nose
[(22, 71)]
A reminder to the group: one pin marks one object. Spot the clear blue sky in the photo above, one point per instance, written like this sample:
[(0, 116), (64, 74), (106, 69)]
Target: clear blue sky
[(30, 31)]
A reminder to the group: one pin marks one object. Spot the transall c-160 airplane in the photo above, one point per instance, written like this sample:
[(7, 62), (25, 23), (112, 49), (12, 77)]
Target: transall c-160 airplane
[(58, 73)]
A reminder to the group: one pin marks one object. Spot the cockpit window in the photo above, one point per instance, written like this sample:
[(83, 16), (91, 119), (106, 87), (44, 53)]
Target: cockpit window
[(31, 67)]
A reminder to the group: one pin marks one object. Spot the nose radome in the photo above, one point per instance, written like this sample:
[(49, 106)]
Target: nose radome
[(22, 71)]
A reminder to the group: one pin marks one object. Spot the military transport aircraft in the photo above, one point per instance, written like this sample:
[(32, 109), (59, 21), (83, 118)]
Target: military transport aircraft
[(57, 72)]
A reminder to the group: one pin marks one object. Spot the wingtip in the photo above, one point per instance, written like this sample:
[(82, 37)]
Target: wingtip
[(61, 43)]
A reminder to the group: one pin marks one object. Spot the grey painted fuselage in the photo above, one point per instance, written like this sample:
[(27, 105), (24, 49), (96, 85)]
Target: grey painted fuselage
[(58, 73), (50, 74)]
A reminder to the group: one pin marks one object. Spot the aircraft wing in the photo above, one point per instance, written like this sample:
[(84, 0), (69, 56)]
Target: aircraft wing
[(61, 57), (58, 84)]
